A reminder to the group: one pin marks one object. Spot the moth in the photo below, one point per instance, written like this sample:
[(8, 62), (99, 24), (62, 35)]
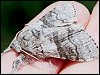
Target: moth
[(57, 34)]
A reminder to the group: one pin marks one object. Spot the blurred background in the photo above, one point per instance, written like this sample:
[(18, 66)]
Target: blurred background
[(15, 14)]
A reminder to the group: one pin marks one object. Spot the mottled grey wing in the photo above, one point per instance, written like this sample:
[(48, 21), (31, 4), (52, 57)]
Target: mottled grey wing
[(57, 34), (28, 38), (81, 46), (63, 13)]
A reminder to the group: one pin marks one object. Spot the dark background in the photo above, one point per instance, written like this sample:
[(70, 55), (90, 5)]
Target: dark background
[(15, 14)]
